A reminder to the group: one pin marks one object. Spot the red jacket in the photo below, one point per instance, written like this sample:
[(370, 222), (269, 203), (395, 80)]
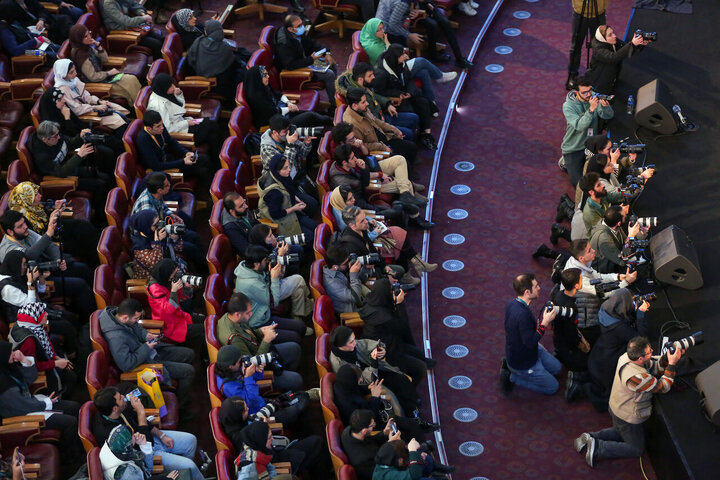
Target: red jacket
[(27, 347), (175, 320)]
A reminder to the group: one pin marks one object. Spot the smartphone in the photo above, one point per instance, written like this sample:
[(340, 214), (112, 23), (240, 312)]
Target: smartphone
[(321, 52), (158, 338), (374, 376), (393, 426), (134, 393)]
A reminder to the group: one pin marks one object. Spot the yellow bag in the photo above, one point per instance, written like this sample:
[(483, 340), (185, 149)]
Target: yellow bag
[(147, 380)]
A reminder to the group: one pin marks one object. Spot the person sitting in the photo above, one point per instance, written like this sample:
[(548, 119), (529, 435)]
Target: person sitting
[(608, 52), (80, 237), (166, 291), (251, 278), (280, 201), (81, 101), (237, 220), (89, 57), (344, 289), (149, 243), (608, 240), (393, 79), (127, 15), (168, 100), (187, 26), (265, 102), (176, 448), (233, 329), (396, 459), (16, 39), (256, 454), (263, 236), (131, 346), (32, 15), (294, 49)]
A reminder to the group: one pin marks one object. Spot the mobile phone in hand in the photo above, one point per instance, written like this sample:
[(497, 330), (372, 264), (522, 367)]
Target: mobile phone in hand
[(393, 426), (134, 393)]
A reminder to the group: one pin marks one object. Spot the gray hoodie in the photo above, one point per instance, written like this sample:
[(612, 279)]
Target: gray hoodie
[(579, 118), (128, 343)]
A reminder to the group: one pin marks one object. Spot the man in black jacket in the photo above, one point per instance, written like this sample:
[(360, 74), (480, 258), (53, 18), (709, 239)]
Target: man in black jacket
[(237, 221), (294, 49), (361, 446)]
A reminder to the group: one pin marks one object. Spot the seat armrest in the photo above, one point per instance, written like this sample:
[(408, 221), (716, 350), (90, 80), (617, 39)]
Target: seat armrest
[(351, 320), (91, 117), (120, 41), (55, 187), (26, 64), (18, 434), (99, 89), (116, 62), (53, 8), (40, 419), (295, 79), (148, 323), (380, 153), (139, 282), (188, 137)]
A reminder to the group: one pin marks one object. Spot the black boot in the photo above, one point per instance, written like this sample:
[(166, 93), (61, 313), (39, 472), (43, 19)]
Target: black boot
[(443, 469), (427, 141), (546, 252), (558, 231), (297, 6), (424, 424), (421, 223)]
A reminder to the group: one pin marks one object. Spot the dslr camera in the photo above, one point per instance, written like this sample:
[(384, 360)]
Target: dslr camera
[(642, 221), (648, 297), (398, 287), (171, 229), (93, 138), (44, 266), (298, 239), (602, 288), (636, 171), (684, 343), (629, 147), (649, 36), (304, 132), (266, 358), (284, 260), (601, 96), (566, 312), (369, 259), (192, 280), (266, 412), (52, 314)]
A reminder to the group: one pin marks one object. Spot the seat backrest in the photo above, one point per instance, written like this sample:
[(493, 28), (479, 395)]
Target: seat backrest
[(216, 395), (17, 173), (216, 295), (96, 336), (241, 122), (264, 57), (93, 21), (222, 441), (169, 27), (316, 278), (333, 433), (23, 149), (322, 233), (141, 101), (104, 287), (324, 319), (356, 57), (215, 219), (324, 146), (326, 210), (158, 66), (240, 96), (327, 398), (221, 258), (174, 54), (110, 247), (267, 38), (93, 6), (323, 177), (95, 469), (130, 137), (4, 202), (96, 373), (222, 183), (322, 354), (244, 178), (128, 174), (211, 340), (339, 112), (225, 465), (48, 80), (35, 113), (347, 472), (356, 41), (232, 152), (87, 412), (117, 209)]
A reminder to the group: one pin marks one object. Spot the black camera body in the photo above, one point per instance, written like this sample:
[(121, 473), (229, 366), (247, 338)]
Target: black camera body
[(398, 287), (566, 312), (636, 171), (369, 259), (93, 138), (649, 36), (284, 260), (648, 297), (684, 343), (44, 266), (602, 96), (629, 147), (602, 288), (53, 314)]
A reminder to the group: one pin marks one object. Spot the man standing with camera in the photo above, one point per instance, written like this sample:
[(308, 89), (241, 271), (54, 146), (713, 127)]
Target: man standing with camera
[(638, 376), (526, 362)]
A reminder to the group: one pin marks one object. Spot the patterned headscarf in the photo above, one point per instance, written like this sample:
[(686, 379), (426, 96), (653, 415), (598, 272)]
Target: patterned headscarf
[(22, 199), (183, 17), (120, 444), (31, 317)]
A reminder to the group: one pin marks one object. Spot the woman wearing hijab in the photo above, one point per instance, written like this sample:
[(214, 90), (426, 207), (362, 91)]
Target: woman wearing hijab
[(263, 236), (608, 52), (81, 101), (80, 237), (397, 460), (165, 293), (281, 201), (187, 26), (621, 318), (168, 100), (148, 242), (265, 102), (253, 462), (89, 57), (393, 79), (209, 56)]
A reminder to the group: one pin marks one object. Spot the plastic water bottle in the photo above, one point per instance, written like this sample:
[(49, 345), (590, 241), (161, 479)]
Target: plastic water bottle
[(34, 53), (630, 105)]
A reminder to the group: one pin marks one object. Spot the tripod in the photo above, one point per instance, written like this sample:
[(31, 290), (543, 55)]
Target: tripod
[(584, 25)]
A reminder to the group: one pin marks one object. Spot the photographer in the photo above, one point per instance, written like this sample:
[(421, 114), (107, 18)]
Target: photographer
[(166, 291), (256, 278), (150, 244), (236, 378), (583, 112), (73, 280), (596, 202), (588, 298), (608, 52), (608, 240), (237, 221), (605, 167), (602, 144), (526, 361), (621, 318), (262, 235), (344, 289), (80, 237), (639, 376)]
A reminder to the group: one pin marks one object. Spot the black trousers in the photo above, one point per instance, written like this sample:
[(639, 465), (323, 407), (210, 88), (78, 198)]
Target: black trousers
[(403, 389), (421, 106), (302, 455), (67, 423), (154, 42), (580, 27), (433, 26)]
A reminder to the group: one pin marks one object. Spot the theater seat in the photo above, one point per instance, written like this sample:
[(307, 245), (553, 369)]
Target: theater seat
[(323, 178), (322, 235), (105, 289), (347, 472), (87, 412), (45, 455), (217, 293), (10, 114), (322, 354), (111, 249), (232, 152), (333, 433), (118, 208), (211, 340), (215, 219), (222, 441), (324, 319), (327, 402), (221, 258), (95, 470), (216, 395), (6, 136), (222, 183), (224, 463), (316, 278)]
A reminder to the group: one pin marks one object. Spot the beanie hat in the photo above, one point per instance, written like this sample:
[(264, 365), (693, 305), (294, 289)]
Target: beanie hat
[(228, 355)]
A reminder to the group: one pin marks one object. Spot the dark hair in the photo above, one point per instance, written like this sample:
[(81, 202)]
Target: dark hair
[(577, 247), (523, 282), (570, 277), (588, 181), (154, 181), (345, 191), (238, 303), (129, 306), (261, 230), (104, 400), (582, 82), (229, 200), (277, 122), (336, 254), (360, 419), (255, 254), (223, 371), (151, 117), (9, 219), (290, 19), (360, 69), (613, 215), (342, 154), (354, 95), (340, 132), (636, 347), (601, 159), (401, 451)]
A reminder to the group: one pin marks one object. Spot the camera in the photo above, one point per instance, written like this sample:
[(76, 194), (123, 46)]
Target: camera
[(53, 314), (601, 96), (256, 360), (648, 297), (266, 412), (629, 148), (298, 239), (192, 280), (649, 36), (306, 131), (602, 288), (630, 191), (567, 312), (643, 221), (684, 343), (44, 266), (637, 171), (404, 287), (93, 138), (632, 180), (369, 259), (284, 260), (171, 229)]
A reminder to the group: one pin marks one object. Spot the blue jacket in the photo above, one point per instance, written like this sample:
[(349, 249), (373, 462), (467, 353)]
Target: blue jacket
[(246, 388), (521, 335)]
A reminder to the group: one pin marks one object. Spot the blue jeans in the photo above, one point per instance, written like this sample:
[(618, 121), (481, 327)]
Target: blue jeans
[(623, 440), (426, 71), (73, 12), (181, 456), (406, 122), (540, 377)]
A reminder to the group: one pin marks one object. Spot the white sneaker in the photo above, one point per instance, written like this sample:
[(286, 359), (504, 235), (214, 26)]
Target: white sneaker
[(473, 4), (467, 9), (447, 77)]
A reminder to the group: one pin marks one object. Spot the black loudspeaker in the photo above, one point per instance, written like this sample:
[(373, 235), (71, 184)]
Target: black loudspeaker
[(708, 384), (675, 259), (653, 109)]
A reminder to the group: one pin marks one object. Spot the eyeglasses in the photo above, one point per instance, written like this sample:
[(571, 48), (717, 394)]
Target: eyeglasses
[(55, 135)]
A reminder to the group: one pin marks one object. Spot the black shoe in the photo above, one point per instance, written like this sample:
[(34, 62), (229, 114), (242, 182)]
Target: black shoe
[(429, 446), (428, 142), (426, 426), (422, 223), (565, 211), (297, 6), (506, 385), (571, 82), (430, 363), (408, 198), (463, 63), (558, 231), (443, 469), (440, 57), (546, 252)]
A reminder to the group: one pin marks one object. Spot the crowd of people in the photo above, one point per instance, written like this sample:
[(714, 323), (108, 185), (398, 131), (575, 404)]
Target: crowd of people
[(48, 248)]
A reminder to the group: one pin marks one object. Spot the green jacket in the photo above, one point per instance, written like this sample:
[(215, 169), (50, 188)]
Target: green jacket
[(579, 119), (255, 286), (377, 102), (414, 472), (249, 340)]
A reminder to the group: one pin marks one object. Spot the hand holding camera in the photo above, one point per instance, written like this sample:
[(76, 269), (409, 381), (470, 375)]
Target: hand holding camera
[(399, 297), (594, 102), (355, 267), (250, 370), (276, 271), (177, 285), (32, 274), (283, 248), (548, 316), (674, 356), (85, 150)]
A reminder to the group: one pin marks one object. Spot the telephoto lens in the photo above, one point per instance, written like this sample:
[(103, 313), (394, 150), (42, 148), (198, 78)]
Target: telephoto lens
[(256, 360), (192, 280), (175, 229), (266, 412), (298, 239), (369, 259), (684, 343), (309, 131)]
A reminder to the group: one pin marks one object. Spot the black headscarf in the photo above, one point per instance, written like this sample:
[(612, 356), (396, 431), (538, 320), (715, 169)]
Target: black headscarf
[(162, 271), (160, 86), (11, 267), (339, 338), (379, 300), (141, 231), (620, 305), (275, 164), (10, 373), (49, 111), (391, 57), (594, 166), (255, 436), (209, 55), (349, 395), (386, 455), (257, 237), (261, 98), (595, 143)]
